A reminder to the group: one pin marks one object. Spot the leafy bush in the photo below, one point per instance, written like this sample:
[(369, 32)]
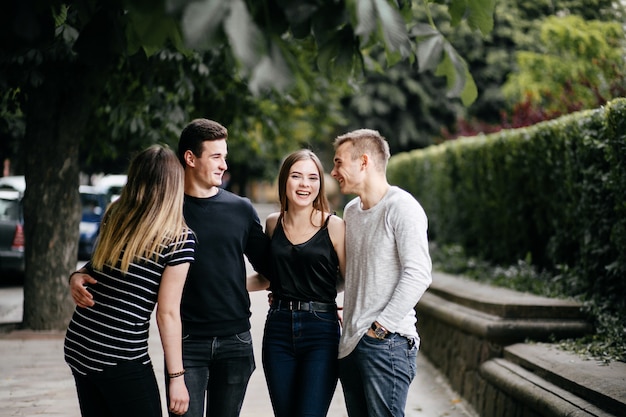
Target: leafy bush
[(551, 194)]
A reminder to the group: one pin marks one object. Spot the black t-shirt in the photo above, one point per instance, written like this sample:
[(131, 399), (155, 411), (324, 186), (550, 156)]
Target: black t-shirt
[(215, 300)]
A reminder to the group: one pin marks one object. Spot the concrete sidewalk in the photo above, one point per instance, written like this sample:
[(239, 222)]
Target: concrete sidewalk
[(35, 381)]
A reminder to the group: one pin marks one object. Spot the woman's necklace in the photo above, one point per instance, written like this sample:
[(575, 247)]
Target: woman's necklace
[(298, 235)]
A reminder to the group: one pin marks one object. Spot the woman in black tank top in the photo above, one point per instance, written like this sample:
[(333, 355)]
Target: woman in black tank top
[(302, 327)]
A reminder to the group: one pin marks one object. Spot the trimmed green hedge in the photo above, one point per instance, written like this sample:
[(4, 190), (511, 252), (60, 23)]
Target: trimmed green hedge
[(554, 193)]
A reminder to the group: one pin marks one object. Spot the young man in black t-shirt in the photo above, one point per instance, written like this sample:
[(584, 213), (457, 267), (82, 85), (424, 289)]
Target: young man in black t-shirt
[(215, 310)]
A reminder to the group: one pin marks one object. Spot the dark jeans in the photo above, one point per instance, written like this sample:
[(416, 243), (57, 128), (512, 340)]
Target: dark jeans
[(300, 361), (129, 389), (219, 367), (376, 376)]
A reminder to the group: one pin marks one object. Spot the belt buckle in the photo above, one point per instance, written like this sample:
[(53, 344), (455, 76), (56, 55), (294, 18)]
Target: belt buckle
[(290, 305)]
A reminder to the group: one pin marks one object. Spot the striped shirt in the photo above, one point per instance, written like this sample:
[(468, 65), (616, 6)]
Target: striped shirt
[(116, 328)]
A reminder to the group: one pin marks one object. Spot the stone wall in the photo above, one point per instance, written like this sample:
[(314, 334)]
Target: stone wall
[(476, 336)]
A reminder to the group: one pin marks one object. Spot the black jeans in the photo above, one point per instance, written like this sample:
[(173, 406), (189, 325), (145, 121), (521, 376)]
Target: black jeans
[(217, 373), (126, 390)]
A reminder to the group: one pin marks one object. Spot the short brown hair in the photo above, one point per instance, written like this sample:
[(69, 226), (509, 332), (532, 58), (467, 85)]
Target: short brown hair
[(195, 133)]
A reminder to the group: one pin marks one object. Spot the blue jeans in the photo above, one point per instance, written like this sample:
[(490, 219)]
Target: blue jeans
[(219, 367), (126, 390), (376, 376), (300, 361)]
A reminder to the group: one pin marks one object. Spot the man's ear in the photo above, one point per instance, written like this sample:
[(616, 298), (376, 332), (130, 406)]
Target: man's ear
[(190, 158), (365, 160)]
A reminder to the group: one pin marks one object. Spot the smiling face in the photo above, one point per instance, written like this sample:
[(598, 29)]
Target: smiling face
[(346, 170), (303, 183), (208, 168)]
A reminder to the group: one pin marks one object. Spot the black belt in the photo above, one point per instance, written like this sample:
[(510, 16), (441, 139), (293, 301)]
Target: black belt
[(304, 306)]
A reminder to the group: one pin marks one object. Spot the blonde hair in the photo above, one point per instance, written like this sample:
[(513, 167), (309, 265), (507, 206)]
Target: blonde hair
[(367, 141), (148, 213)]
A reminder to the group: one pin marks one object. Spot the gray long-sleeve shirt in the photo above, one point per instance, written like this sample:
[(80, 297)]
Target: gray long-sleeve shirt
[(388, 267)]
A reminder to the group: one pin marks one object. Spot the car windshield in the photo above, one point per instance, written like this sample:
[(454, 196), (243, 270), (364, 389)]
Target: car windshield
[(91, 206)]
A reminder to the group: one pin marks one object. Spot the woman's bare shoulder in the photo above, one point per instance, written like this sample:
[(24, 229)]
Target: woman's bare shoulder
[(336, 223), (270, 223), (273, 216)]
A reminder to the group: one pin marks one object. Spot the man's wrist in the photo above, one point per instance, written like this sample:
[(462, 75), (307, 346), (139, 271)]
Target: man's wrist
[(72, 274), (379, 331)]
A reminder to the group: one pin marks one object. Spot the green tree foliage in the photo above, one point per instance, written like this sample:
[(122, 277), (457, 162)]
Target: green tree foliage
[(83, 72), (492, 59), (406, 106), (579, 65), (259, 32), (409, 103)]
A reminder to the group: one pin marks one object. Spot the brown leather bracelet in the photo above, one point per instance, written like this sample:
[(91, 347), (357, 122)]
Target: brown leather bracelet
[(176, 374), (72, 274)]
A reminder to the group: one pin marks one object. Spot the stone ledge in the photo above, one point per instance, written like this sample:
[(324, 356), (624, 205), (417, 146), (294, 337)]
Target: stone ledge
[(466, 326), (501, 302), (603, 385), (495, 328), (532, 392)]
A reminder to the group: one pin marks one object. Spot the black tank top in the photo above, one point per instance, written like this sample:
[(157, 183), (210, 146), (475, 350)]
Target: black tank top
[(304, 272)]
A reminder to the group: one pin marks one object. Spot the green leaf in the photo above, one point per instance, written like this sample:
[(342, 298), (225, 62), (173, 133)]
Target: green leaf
[(202, 21), (470, 91), (366, 18), (393, 57), (343, 64), (337, 53), (458, 10), (152, 31), (326, 53), (244, 36), (374, 14), (481, 15), (393, 27), (477, 13), (423, 29), (328, 21), (59, 15), (459, 80), (271, 72), (429, 52)]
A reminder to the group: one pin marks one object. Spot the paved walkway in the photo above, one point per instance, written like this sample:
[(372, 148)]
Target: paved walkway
[(35, 381)]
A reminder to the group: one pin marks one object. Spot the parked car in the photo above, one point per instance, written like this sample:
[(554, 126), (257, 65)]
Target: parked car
[(111, 185), (13, 182), (11, 233), (94, 202)]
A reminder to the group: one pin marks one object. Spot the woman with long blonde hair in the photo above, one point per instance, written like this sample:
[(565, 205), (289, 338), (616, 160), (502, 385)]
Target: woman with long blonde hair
[(141, 260)]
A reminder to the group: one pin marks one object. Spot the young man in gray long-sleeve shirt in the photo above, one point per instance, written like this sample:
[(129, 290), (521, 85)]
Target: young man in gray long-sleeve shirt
[(388, 269)]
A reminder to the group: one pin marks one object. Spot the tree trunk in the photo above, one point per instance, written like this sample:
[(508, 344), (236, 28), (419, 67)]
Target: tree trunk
[(56, 115)]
